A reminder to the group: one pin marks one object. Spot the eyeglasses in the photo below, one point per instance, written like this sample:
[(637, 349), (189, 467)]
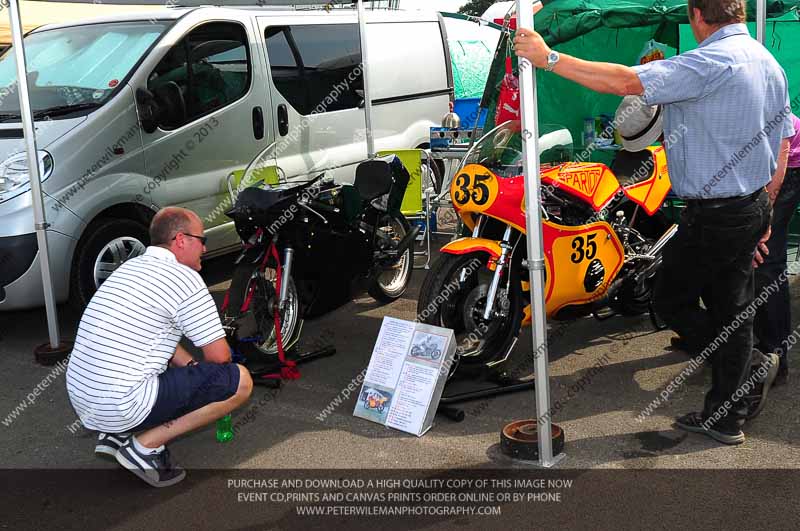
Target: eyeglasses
[(203, 239)]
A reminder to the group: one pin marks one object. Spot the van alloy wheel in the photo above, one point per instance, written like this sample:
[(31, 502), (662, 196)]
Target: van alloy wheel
[(113, 255)]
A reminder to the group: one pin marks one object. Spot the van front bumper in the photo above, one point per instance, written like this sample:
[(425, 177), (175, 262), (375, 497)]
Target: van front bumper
[(21, 274)]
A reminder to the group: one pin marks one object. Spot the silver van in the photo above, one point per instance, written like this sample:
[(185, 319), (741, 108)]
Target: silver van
[(141, 111)]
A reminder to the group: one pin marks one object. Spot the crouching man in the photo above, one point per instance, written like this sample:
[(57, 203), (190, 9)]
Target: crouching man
[(128, 374)]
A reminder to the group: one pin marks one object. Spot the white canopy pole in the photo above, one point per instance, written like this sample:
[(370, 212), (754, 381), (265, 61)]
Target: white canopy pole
[(362, 31), (39, 221), (529, 115), (761, 20)]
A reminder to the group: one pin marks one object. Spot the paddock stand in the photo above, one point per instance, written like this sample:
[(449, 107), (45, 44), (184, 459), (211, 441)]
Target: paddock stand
[(267, 372), (465, 389)]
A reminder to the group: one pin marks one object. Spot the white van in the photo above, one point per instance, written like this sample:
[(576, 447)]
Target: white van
[(137, 112)]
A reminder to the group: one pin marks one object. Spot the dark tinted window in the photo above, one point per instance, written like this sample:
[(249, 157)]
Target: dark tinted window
[(207, 70), (317, 68)]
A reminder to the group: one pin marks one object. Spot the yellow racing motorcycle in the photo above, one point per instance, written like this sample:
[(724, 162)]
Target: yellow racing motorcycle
[(603, 235)]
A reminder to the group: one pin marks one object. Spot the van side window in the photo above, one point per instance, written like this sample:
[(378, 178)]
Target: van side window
[(207, 70), (317, 68)]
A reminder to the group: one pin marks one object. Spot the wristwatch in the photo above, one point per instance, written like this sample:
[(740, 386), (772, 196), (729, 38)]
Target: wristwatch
[(552, 59), (193, 363)]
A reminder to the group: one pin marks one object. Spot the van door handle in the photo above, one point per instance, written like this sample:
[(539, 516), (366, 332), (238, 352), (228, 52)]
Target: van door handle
[(283, 120), (258, 123)]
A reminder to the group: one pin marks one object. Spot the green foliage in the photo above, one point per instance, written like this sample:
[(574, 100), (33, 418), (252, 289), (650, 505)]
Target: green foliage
[(476, 7)]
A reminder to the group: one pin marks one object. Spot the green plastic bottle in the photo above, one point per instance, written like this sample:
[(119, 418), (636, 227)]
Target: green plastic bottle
[(224, 429)]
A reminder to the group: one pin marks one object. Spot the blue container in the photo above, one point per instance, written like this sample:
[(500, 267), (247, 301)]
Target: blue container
[(467, 110)]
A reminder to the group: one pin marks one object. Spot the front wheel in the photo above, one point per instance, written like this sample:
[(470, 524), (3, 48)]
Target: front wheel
[(392, 277), (262, 307), (454, 295)]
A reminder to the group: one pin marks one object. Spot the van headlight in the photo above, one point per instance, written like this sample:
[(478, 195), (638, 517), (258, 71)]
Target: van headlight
[(14, 172)]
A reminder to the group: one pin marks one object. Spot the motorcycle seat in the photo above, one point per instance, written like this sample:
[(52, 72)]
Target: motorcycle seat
[(633, 167), (373, 179)]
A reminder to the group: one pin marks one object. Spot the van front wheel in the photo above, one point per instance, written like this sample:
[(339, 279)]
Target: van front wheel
[(106, 244)]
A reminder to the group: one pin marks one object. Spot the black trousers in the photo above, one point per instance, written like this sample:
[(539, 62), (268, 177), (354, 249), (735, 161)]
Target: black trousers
[(711, 256), (773, 322)]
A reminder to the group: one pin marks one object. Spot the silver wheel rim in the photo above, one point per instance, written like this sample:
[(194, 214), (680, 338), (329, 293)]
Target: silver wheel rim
[(393, 280), (114, 254), (288, 317)]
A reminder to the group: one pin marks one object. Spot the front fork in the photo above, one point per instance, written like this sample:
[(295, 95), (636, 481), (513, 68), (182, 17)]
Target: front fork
[(286, 274), (502, 263)]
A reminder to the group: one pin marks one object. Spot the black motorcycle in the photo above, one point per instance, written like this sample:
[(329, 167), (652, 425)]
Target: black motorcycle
[(307, 246)]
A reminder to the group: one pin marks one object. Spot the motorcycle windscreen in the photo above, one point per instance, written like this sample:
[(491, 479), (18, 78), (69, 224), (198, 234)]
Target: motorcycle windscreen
[(650, 193)]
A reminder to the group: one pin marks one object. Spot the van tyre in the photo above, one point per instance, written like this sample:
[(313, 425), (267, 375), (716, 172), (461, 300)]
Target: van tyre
[(105, 245)]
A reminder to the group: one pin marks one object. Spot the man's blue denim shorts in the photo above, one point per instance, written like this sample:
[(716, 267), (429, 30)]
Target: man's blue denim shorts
[(184, 389)]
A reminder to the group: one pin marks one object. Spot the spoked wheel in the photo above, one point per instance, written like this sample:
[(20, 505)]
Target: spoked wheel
[(264, 299), (454, 296), (391, 280)]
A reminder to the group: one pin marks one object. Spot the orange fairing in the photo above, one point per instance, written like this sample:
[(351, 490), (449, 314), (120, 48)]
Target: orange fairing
[(469, 245), (592, 182), (650, 194)]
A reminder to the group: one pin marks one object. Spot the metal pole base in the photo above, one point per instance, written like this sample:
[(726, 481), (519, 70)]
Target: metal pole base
[(47, 355), (519, 440)]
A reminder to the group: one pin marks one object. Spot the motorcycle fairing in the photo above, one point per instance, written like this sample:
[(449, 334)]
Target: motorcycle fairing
[(568, 263), (476, 190), (592, 182), (573, 254), (471, 245), (650, 193)]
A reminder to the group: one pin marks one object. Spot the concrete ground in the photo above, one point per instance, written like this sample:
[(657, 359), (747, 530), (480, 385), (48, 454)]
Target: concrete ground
[(600, 421)]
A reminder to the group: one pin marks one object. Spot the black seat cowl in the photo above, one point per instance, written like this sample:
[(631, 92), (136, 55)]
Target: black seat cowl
[(632, 167)]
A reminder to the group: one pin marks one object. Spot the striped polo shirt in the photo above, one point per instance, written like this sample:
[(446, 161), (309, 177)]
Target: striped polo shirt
[(128, 334)]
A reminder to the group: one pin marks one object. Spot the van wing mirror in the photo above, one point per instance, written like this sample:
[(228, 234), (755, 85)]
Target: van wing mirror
[(148, 110)]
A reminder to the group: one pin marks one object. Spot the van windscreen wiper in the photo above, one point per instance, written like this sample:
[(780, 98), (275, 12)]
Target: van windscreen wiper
[(65, 109)]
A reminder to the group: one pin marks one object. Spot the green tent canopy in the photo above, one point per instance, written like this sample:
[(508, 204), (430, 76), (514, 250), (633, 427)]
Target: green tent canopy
[(616, 31)]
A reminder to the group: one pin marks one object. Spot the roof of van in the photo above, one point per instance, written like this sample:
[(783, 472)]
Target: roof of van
[(376, 15)]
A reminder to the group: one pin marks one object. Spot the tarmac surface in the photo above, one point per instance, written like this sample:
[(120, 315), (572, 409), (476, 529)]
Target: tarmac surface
[(603, 374), (600, 421)]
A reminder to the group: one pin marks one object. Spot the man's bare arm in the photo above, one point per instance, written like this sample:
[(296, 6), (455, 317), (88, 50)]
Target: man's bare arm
[(774, 186), (181, 357), (217, 351), (608, 78)]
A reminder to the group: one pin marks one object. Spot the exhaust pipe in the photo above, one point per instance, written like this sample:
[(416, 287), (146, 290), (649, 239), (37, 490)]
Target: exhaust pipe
[(655, 250)]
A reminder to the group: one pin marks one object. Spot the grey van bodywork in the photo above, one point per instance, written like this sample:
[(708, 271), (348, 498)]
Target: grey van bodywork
[(109, 175)]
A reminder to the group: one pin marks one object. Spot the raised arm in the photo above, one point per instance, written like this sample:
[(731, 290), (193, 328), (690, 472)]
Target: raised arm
[(608, 78)]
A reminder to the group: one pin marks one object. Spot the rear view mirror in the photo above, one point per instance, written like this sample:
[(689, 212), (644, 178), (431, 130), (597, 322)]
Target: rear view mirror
[(148, 110)]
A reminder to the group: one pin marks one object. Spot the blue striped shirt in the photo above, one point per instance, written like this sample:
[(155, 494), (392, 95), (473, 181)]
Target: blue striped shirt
[(726, 110), (128, 334)]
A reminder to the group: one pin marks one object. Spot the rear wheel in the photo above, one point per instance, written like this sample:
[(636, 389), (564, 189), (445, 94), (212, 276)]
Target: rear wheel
[(392, 278), (454, 295), (106, 245)]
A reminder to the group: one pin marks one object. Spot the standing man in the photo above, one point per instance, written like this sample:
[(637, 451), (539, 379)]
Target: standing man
[(118, 377), (731, 97), (773, 324)]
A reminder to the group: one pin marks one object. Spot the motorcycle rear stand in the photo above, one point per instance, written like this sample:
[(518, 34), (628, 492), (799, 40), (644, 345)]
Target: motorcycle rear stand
[(475, 388), (274, 367)]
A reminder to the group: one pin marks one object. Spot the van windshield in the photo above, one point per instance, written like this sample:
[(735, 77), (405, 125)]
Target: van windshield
[(74, 70)]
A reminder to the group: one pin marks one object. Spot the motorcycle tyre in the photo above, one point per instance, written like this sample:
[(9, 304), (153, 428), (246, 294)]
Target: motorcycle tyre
[(374, 287), (439, 275)]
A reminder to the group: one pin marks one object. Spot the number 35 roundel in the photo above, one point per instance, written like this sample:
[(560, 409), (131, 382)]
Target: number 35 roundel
[(474, 189)]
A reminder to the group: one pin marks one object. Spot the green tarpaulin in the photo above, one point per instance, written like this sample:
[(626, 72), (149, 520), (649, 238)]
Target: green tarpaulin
[(616, 31)]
